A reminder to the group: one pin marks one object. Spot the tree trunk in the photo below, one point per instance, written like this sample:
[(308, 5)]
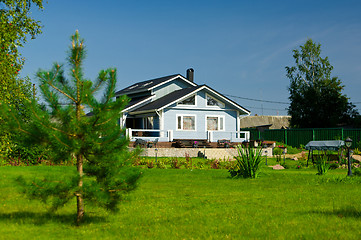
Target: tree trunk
[(79, 196)]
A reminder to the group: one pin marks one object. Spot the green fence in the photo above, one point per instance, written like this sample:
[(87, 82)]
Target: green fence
[(296, 137)]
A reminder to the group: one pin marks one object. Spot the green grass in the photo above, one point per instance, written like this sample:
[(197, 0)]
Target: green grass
[(197, 204)]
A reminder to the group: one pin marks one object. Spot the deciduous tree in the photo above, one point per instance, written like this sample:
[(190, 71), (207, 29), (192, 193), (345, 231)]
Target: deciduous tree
[(316, 97), (16, 25)]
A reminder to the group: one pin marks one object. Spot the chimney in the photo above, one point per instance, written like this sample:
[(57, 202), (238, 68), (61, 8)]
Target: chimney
[(190, 74)]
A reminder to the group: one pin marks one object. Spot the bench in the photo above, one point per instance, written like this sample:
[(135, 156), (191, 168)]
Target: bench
[(191, 143)]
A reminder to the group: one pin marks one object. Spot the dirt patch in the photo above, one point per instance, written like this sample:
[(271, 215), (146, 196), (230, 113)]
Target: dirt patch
[(298, 156), (357, 157)]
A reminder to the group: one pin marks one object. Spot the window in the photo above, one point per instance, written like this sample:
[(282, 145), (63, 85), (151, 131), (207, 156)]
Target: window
[(187, 123), (189, 101), (215, 123), (211, 101)]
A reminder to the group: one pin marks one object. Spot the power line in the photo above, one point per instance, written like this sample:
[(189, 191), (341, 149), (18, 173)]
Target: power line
[(266, 108), (257, 100)]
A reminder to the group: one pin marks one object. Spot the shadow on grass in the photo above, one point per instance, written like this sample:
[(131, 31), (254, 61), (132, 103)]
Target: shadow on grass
[(26, 217), (349, 211)]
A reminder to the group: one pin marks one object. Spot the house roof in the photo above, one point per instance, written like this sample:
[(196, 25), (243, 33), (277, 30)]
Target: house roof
[(168, 99), (181, 94), (137, 102), (150, 84)]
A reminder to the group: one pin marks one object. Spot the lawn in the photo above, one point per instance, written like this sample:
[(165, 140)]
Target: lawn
[(197, 204)]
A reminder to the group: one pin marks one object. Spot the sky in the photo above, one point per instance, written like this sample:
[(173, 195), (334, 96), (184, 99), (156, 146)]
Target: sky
[(239, 48)]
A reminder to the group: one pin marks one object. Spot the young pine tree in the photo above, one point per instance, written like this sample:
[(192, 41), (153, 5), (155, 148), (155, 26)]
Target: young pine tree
[(96, 142)]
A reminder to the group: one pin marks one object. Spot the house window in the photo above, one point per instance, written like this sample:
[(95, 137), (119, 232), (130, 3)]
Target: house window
[(211, 101), (215, 123), (185, 122), (188, 101)]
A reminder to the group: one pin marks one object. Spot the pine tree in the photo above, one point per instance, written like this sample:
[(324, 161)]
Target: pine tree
[(96, 142)]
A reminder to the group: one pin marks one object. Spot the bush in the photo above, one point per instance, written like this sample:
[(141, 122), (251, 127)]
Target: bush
[(334, 165), (277, 152), (322, 165), (356, 172), (248, 162)]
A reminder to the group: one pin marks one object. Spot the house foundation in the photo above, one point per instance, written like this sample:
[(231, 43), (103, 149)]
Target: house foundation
[(210, 153)]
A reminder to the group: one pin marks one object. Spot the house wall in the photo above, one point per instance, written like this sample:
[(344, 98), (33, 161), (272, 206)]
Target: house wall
[(169, 87), (200, 111)]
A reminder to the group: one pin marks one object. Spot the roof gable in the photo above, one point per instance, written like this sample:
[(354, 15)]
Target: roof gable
[(182, 94), (151, 84)]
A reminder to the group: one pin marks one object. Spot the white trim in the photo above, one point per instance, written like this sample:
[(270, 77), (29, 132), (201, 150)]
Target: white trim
[(182, 98), (220, 96), (219, 123), (185, 115), (138, 103), (188, 105), (230, 102), (214, 106), (159, 84), (238, 124), (178, 76)]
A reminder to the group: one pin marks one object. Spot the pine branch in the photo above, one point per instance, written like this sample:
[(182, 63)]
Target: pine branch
[(50, 82)]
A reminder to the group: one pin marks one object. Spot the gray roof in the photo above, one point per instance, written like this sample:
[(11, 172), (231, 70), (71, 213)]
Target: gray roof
[(145, 85), (174, 96), (169, 98)]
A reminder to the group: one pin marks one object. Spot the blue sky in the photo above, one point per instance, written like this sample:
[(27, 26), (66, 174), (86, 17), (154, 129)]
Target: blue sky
[(239, 48)]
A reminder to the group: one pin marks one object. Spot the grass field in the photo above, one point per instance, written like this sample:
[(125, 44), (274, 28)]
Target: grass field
[(197, 204)]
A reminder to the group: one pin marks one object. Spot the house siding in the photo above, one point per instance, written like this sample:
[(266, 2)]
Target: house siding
[(170, 122)]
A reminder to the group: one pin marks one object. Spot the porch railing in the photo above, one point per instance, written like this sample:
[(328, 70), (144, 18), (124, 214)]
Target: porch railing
[(150, 134), (167, 135), (235, 136)]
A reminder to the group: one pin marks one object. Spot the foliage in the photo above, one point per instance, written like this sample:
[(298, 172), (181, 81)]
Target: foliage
[(248, 162), (16, 25), (322, 165), (96, 142), (356, 151), (278, 153), (316, 97), (334, 165), (356, 172)]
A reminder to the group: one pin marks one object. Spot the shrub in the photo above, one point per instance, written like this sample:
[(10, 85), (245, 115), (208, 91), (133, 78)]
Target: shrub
[(174, 163), (322, 165), (334, 165), (277, 152), (248, 162), (215, 164), (356, 171)]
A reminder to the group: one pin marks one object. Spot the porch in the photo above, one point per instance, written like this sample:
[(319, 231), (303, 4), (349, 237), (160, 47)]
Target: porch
[(165, 138)]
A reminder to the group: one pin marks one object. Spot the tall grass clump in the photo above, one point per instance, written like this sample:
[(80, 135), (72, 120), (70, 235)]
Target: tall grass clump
[(248, 162), (322, 165)]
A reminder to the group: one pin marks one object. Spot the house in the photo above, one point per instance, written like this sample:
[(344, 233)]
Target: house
[(175, 107)]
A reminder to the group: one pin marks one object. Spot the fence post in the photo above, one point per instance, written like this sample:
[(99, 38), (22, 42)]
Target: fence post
[(342, 134), (313, 134), (286, 142)]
